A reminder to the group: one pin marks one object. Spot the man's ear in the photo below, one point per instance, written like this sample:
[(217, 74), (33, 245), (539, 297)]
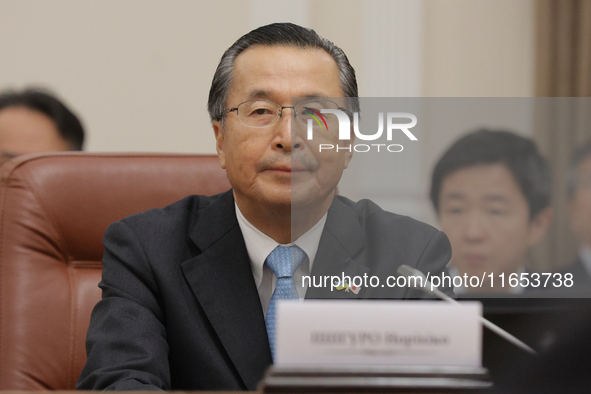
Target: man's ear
[(539, 225), (218, 130)]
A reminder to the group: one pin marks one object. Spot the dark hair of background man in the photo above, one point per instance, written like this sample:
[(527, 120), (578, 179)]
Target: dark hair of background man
[(519, 154), (68, 124), (286, 34)]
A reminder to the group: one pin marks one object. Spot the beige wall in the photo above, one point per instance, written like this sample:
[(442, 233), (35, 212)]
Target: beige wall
[(138, 71), (482, 48)]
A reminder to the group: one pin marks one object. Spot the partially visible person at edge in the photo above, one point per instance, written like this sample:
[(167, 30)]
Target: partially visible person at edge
[(579, 216), (33, 121)]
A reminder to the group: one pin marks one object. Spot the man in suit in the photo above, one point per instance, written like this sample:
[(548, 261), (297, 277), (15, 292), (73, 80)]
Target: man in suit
[(579, 215), (491, 192), (189, 290)]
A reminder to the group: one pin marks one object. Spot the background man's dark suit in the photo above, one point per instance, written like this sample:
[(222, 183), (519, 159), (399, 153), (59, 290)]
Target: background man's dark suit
[(180, 308)]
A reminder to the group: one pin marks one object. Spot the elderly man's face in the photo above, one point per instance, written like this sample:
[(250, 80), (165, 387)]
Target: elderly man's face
[(276, 165), (580, 204)]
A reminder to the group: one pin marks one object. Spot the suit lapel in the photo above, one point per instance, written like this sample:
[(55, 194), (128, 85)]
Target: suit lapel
[(339, 252), (221, 279)]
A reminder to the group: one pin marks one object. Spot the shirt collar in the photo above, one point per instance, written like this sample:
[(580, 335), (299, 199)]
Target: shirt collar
[(585, 255), (259, 245)]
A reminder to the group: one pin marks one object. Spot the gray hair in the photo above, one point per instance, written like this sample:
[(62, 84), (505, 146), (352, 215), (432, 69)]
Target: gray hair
[(579, 155), (286, 34)]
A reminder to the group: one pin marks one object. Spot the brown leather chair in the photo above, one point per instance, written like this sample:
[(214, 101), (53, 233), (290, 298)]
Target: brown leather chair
[(54, 209)]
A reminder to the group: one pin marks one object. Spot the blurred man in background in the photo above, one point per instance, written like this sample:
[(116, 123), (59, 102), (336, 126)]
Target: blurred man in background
[(34, 121), (491, 192), (579, 214)]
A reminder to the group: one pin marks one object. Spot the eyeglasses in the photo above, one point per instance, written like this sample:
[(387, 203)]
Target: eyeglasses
[(266, 113)]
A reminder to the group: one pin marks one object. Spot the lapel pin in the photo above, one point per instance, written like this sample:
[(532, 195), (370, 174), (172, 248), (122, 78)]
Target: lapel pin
[(343, 285), (354, 289)]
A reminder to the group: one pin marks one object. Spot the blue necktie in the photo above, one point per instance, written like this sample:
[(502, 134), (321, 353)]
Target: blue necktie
[(283, 261)]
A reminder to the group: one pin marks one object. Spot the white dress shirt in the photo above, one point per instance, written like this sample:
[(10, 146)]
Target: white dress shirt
[(585, 255), (260, 245)]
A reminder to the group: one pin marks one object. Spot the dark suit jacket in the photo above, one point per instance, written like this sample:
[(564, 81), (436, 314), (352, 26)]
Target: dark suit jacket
[(180, 309), (581, 278)]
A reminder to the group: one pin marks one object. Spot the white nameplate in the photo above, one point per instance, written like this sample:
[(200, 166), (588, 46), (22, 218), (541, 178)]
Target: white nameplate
[(378, 333)]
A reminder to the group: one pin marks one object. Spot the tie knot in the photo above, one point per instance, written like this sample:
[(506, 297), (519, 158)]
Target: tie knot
[(284, 260)]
